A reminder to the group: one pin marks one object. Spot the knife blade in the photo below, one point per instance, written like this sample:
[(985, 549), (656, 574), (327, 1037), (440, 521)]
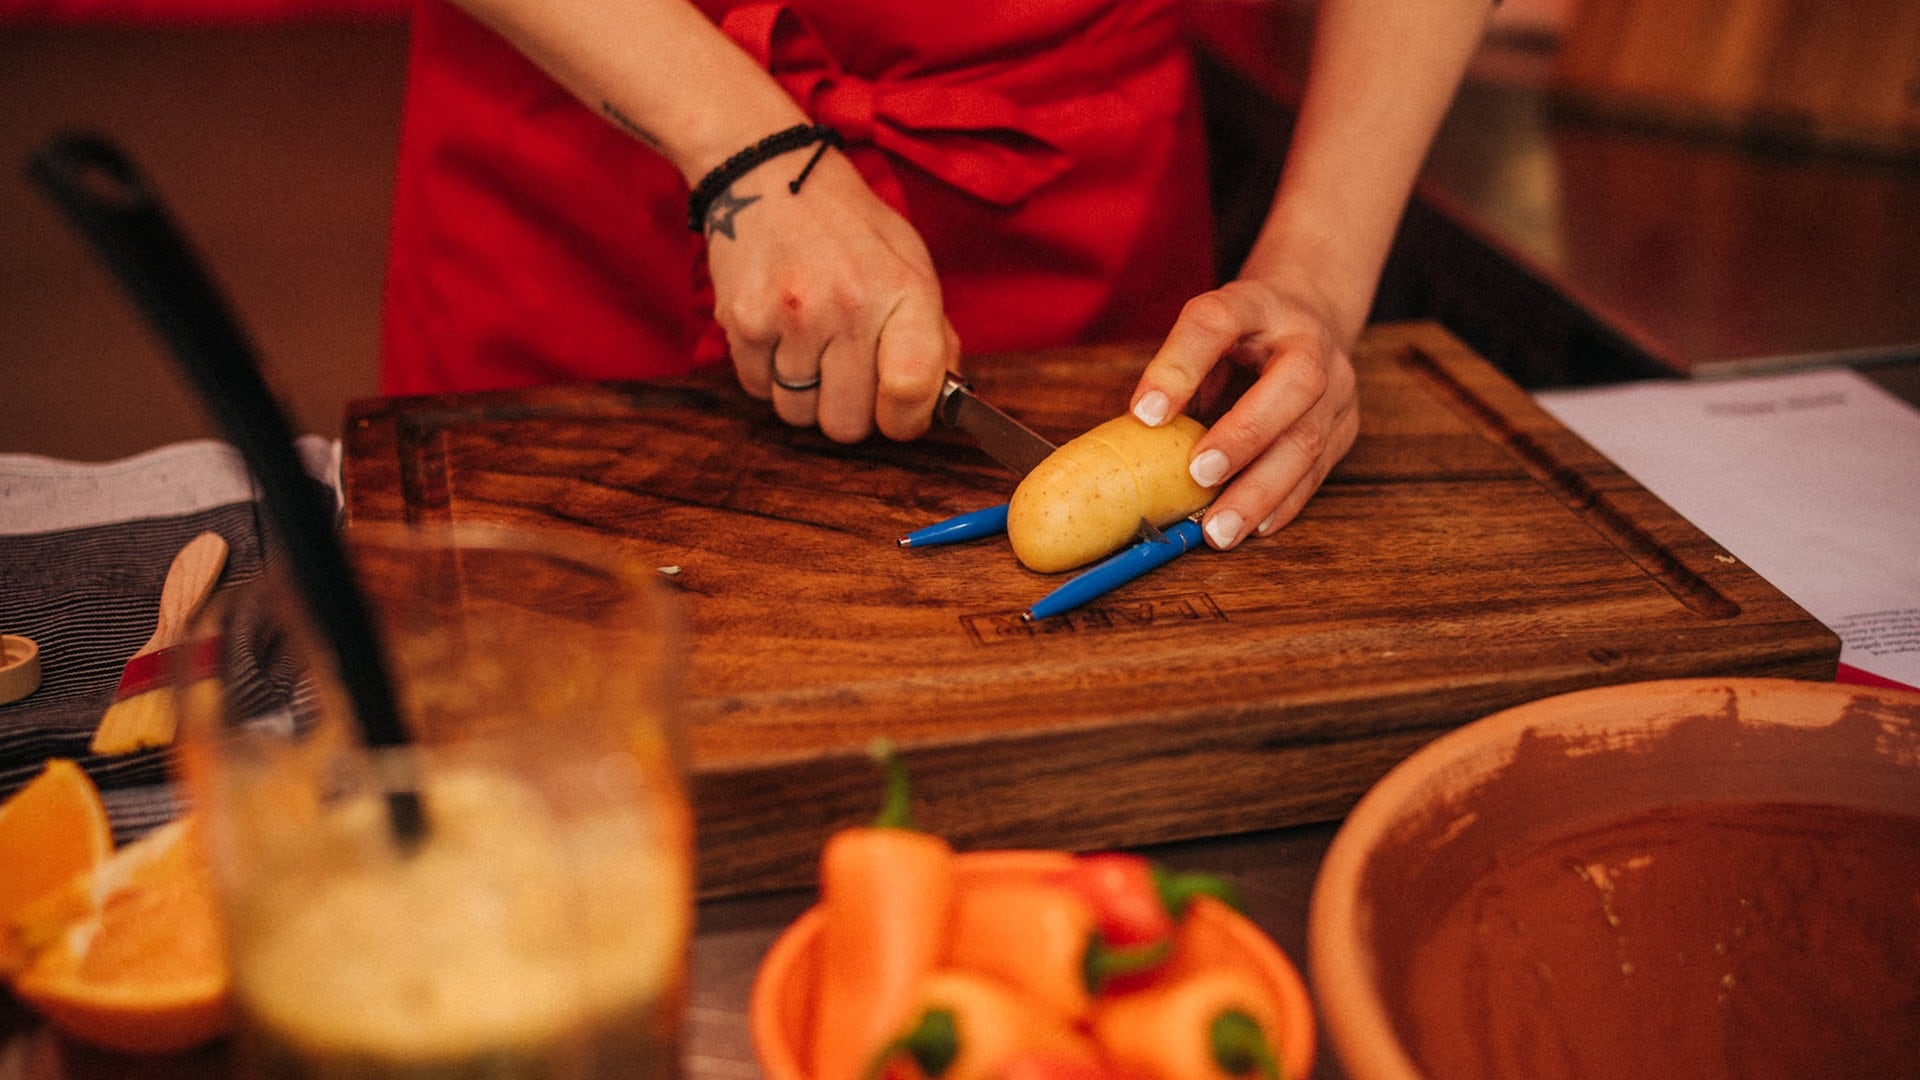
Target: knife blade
[(1005, 439)]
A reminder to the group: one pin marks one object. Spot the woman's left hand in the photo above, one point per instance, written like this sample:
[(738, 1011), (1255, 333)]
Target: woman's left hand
[(1382, 76), (1276, 444)]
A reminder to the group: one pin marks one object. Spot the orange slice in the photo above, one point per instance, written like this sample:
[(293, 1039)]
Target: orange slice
[(51, 831), (143, 968)]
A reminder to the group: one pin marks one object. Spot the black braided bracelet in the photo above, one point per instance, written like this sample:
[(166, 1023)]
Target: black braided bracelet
[(740, 164)]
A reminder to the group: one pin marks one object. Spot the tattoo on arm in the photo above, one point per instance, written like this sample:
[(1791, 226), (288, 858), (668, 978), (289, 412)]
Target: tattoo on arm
[(726, 206), (625, 123)]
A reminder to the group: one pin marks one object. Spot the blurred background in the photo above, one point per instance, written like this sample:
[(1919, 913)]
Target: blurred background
[(269, 128)]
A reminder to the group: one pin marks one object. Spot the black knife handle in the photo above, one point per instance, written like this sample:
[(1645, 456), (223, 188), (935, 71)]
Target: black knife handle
[(943, 408)]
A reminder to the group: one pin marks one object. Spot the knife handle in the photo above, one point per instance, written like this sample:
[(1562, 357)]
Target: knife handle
[(943, 408)]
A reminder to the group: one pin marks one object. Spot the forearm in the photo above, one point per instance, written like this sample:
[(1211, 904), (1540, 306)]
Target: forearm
[(1383, 74), (657, 69)]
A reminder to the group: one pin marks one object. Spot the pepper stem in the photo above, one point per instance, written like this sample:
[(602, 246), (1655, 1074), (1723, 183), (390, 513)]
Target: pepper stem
[(933, 1043), (896, 812), (1103, 962), (1239, 1046), (1178, 890)]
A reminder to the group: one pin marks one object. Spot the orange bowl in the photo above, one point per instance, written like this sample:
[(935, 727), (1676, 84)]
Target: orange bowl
[(780, 1010)]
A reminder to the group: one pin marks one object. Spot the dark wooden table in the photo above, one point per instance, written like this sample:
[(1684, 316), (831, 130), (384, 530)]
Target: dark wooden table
[(1657, 253), (1570, 250)]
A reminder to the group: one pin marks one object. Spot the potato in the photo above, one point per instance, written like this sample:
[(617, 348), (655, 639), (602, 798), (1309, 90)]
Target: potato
[(1087, 499)]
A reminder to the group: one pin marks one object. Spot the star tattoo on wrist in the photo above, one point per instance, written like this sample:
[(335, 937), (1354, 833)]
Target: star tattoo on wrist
[(726, 206)]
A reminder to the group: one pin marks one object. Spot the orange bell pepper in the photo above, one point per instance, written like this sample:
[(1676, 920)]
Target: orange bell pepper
[(1029, 934), (885, 892), (1204, 942), (1204, 1025), (967, 1026), (1045, 939)]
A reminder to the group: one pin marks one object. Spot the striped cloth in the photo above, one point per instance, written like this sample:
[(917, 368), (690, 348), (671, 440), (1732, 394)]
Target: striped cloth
[(84, 548)]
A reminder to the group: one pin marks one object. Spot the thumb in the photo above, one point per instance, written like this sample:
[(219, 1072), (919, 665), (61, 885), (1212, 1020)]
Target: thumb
[(917, 347)]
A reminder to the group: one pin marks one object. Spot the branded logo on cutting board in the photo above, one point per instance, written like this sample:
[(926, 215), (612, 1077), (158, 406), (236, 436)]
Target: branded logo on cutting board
[(1100, 617)]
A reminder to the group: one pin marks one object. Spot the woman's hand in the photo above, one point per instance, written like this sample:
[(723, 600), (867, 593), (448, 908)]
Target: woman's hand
[(828, 299), (1382, 75), (824, 282), (1286, 432)]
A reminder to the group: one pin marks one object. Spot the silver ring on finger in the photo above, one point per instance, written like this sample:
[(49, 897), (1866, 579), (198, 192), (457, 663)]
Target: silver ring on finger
[(800, 387)]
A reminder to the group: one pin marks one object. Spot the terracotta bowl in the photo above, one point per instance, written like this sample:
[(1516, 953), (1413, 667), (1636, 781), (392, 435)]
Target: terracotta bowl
[(779, 1011), (1580, 885)]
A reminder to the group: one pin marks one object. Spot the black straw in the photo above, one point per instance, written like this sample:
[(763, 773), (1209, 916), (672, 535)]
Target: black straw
[(105, 197)]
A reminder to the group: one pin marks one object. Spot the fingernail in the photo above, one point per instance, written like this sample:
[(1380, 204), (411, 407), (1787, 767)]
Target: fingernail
[(1266, 526), (1209, 469), (1223, 528), (1152, 408)]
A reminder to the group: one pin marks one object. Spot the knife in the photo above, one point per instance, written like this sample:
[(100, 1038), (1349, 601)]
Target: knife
[(1005, 439), (1008, 442), (1014, 445)]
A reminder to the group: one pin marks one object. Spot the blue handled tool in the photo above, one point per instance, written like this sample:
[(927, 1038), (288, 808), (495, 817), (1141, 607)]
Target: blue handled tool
[(968, 526), (1116, 570)]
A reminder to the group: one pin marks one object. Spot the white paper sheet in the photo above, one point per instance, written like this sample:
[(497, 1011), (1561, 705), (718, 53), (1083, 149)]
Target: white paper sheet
[(1812, 479)]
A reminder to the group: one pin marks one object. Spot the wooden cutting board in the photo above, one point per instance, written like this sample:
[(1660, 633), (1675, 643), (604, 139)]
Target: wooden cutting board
[(1469, 554)]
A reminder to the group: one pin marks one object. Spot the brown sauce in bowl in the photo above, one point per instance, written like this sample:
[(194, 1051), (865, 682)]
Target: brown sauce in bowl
[(1705, 940)]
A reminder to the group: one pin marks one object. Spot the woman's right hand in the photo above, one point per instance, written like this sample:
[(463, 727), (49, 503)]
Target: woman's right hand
[(830, 283), (825, 281)]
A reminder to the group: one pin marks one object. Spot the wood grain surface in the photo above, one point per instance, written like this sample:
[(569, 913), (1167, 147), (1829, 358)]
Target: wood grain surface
[(1801, 73), (1469, 554)]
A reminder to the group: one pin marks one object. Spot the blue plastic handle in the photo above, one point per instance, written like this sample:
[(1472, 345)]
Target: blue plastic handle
[(967, 526), (1117, 570)]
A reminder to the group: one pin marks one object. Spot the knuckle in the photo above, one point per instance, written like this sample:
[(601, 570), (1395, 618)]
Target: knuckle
[(1238, 432), (903, 425), (844, 429), (792, 412), (1310, 440), (745, 322), (799, 304), (1211, 313), (1313, 380), (904, 384)]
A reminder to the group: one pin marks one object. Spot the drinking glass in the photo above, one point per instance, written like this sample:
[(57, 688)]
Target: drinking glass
[(539, 924)]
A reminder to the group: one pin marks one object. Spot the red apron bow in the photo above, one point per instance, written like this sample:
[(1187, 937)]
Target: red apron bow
[(968, 136)]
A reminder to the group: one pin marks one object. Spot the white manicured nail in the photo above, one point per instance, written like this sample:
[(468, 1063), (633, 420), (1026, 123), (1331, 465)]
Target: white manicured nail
[(1152, 408), (1266, 526), (1223, 528), (1209, 469)]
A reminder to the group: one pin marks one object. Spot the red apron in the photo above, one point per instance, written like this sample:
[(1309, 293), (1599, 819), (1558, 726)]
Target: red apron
[(1050, 154)]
